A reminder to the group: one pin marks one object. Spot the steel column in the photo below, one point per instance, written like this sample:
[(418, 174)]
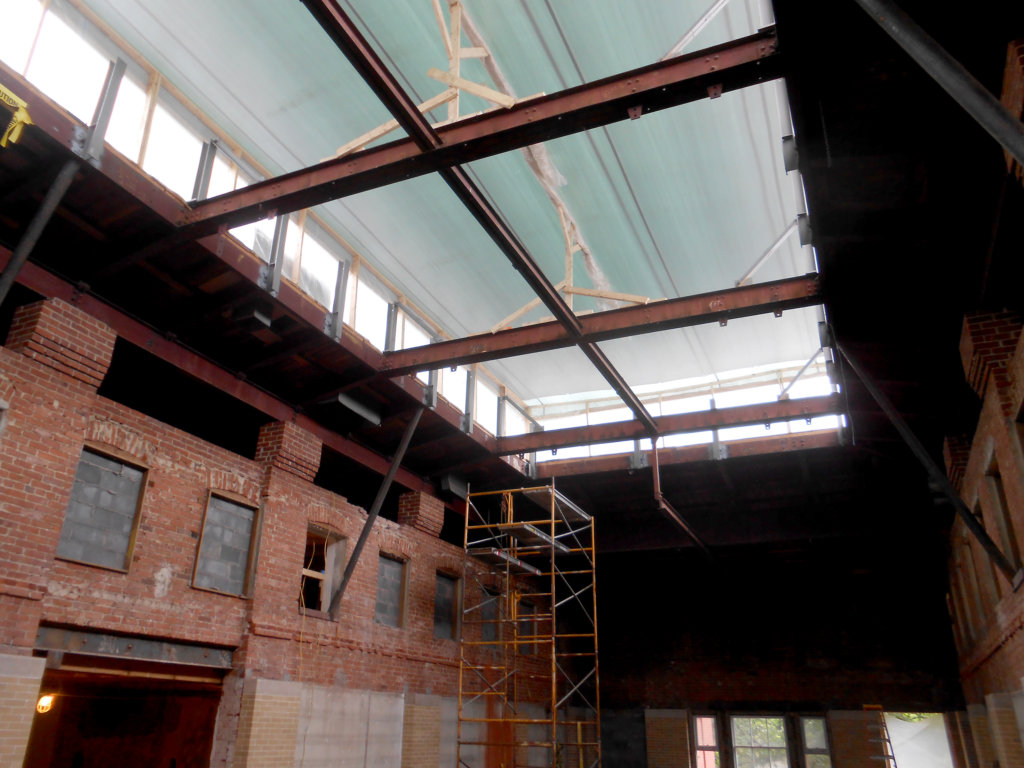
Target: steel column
[(378, 502), (935, 474), (949, 73)]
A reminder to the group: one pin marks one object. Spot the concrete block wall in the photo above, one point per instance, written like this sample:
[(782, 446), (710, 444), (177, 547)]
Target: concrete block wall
[(20, 677)]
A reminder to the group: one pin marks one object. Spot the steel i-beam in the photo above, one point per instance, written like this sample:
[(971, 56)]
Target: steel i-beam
[(362, 56)]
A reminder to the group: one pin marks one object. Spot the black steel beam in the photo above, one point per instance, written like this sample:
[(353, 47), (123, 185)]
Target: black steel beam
[(362, 56), (681, 80), (669, 314)]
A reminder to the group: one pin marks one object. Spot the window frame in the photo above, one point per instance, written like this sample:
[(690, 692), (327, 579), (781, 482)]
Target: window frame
[(335, 559), (456, 618), (695, 747), (787, 740), (254, 538), (801, 739), (402, 589), (113, 454)]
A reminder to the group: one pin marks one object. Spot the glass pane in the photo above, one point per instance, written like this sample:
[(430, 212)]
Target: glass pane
[(124, 133), (707, 735), (744, 757), (515, 422), (741, 732), (21, 19), (67, 69), (707, 759), (776, 732), (762, 757), (172, 154), (814, 732), (759, 731), (819, 761)]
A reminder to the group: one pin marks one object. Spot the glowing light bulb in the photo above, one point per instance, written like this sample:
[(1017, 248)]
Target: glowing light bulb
[(45, 703)]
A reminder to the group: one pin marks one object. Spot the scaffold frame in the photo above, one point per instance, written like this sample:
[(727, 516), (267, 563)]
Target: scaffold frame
[(529, 694)]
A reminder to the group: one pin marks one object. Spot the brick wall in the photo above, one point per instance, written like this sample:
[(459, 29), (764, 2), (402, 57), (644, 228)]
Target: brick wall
[(19, 689), (668, 743), (268, 724), (1013, 94), (854, 739), (987, 342), (53, 410), (421, 734)]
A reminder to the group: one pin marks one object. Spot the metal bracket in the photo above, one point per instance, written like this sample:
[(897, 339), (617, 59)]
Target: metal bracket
[(718, 451), (638, 460), (714, 91), (635, 112), (430, 394)]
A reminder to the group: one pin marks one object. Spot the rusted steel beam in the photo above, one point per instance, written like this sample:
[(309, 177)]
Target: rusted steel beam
[(719, 418), (736, 64), (362, 56), (689, 454), (39, 280), (717, 306)]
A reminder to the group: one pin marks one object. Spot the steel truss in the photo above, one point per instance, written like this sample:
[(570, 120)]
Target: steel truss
[(528, 664)]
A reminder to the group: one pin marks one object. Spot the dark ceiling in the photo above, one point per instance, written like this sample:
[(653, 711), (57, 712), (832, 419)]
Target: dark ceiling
[(903, 191)]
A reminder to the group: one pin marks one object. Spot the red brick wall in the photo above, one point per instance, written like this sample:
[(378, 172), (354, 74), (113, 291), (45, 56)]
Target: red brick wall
[(54, 410), (1013, 93)]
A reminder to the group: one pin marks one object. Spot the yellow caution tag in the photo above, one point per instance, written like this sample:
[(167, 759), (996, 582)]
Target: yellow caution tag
[(18, 121)]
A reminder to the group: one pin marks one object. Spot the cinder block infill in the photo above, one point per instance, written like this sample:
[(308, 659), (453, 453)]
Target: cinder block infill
[(25, 667)]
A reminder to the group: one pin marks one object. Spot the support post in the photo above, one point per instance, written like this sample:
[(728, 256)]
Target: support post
[(202, 186), (337, 316), (935, 474), (391, 327), (666, 507), (950, 74), (378, 502), (469, 414), (272, 279)]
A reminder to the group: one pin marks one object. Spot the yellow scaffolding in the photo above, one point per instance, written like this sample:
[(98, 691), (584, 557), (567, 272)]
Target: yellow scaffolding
[(528, 666)]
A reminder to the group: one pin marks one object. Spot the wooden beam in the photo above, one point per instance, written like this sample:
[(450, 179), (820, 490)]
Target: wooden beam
[(462, 84), (391, 125)]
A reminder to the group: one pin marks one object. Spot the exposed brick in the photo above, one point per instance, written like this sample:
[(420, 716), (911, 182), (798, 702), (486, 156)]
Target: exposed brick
[(289, 447), (987, 342), (421, 511), (1013, 94), (64, 338)]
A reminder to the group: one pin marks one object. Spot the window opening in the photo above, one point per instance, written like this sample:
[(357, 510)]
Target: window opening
[(759, 741), (225, 547), (323, 564), (102, 514), (128, 120), (67, 68), (172, 152), (1004, 521), (21, 23), (390, 591), (371, 314), (815, 742), (446, 593), (453, 386), (486, 406), (705, 739)]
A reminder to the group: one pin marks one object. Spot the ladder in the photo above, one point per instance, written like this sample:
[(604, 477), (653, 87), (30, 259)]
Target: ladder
[(878, 733)]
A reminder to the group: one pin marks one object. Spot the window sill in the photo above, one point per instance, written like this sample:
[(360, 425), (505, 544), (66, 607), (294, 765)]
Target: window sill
[(213, 591), (315, 614), (86, 563)]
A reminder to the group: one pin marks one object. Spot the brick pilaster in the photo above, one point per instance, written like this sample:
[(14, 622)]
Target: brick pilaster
[(1013, 94), (987, 343), (64, 338), (286, 446), (956, 450), (422, 512)]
